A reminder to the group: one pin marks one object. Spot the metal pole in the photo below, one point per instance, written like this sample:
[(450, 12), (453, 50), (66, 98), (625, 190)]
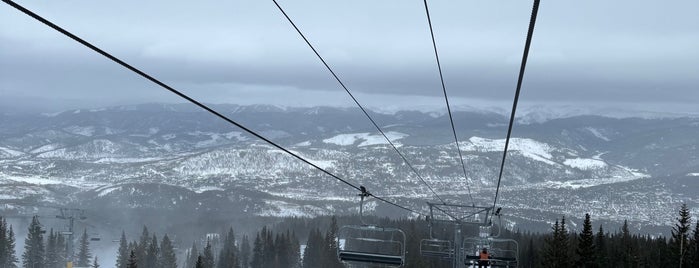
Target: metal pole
[(69, 264), (457, 246)]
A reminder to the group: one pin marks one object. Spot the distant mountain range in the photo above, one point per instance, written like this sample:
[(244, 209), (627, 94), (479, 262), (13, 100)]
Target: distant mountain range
[(175, 157)]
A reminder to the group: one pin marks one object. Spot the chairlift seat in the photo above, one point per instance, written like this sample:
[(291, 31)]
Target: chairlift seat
[(357, 256), (371, 244), (436, 248)]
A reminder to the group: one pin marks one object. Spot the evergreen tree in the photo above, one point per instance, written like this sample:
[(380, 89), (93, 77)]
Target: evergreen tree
[(695, 246), (141, 249), (8, 259), (52, 250), (192, 256), (168, 258), (329, 255), (269, 249), (208, 258), (586, 247), (312, 255), (257, 252), (680, 236), (629, 255), (133, 262), (152, 253), (84, 255), (61, 250), (294, 250), (33, 256), (3, 241), (245, 251), (200, 262), (227, 258), (556, 250), (95, 264), (123, 252), (563, 244), (601, 248)]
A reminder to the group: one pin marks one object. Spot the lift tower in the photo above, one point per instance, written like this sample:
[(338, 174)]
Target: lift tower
[(70, 214)]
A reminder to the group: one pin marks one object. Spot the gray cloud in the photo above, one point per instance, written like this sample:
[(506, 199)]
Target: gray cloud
[(245, 51)]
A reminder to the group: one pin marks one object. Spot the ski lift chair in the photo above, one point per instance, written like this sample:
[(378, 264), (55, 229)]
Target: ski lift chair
[(503, 252), (370, 244), (436, 248)]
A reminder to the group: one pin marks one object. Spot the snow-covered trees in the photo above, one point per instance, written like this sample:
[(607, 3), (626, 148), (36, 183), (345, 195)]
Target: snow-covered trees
[(33, 256)]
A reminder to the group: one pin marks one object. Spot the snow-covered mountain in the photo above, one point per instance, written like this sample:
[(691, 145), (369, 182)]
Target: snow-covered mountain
[(175, 157)]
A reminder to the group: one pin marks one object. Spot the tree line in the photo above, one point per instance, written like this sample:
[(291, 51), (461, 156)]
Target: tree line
[(43, 249), (565, 248), (279, 246)]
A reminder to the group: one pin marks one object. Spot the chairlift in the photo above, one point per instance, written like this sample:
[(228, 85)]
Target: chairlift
[(370, 244), (503, 252), (434, 247)]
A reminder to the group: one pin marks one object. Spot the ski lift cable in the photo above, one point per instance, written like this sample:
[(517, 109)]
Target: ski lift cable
[(530, 33), (190, 99), (446, 99), (337, 78)]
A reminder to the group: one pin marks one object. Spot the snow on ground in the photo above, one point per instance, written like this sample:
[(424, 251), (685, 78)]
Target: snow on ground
[(527, 147), (126, 160), (207, 188), (35, 180), (305, 143), (45, 148), (284, 209), (585, 163), (235, 134), (366, 139), (624, 175), (7, 152), (105, 191), (597, 134), (84, 131)]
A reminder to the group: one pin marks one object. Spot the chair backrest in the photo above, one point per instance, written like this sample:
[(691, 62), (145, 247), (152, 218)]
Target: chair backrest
[(371, 244)]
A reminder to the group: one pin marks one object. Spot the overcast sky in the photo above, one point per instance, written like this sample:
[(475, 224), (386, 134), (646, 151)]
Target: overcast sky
[(630, 52)]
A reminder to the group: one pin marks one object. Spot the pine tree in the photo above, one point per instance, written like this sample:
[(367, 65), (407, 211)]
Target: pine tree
[(269, 248), (208, 258), (3, 241), (601, 248), (200, 262), (330, 252), (52, 250), (556, 248), (192, 256), (294, 250), (123, 252), (61, 250), (257, 253), (84, 255), (33, 256), (227, 258), (563, 244), (245, 252), (95, 264), (141, 249), (152, 253), (695, 246), (680, 236), (586, 247), (168, 258), (8, 259), (133, 262), (312, 255)]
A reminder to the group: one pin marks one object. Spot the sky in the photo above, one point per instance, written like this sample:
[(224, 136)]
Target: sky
[(625, 53)]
